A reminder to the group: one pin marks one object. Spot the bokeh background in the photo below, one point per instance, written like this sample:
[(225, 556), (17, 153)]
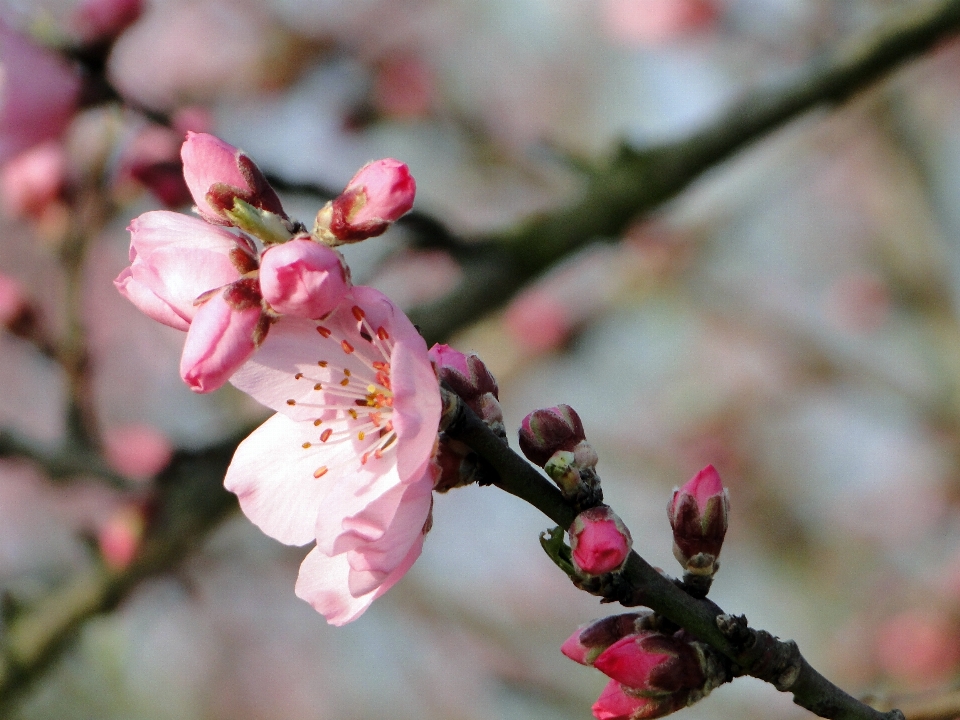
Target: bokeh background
[(792, 318)]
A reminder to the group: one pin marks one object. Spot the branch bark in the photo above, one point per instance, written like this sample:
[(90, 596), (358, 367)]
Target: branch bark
[(755, 653)]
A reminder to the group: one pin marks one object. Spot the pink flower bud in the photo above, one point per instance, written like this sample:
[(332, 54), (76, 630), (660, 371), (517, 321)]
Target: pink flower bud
[(698, 515), (105, 19), (39, 96), (544, 432), (652, 664), (380, 193), (32, 180), (593, 638), (303, 278), (226, 330), (599, 541), (120, 537), (217, 173), (617, 702), (466, 375)]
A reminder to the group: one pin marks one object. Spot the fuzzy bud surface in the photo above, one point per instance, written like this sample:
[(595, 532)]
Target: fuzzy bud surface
[(699, 514), (652, 664), (589, 640), (544, 432)]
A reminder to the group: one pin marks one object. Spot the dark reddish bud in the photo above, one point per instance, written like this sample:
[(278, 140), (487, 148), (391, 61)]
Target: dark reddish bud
[(544, 432), (468, 377), (652, 664), (698, 514)]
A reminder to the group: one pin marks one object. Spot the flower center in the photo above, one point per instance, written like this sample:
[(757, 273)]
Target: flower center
[(354, 400)]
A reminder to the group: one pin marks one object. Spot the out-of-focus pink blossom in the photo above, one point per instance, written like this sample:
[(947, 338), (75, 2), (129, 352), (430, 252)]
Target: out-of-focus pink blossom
[(32, 180), (919, 647), (348, 460), (303, 278), (192, 118), (13, 301), (538, 321), (403, 88), (217, 172), (698, 514), (38, 93), (105, 19), (616, 702), (650, 22), (599, 541), (380, 193), (225, 331), (137, 451), (120, 536), (152, 159), (175, 259)]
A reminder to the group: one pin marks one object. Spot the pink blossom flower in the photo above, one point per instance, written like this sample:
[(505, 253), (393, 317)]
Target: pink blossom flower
[(175, 259), (380, 193), (599, 541), (104, 19), (217, 172), (38, 93), (225, 331), (32, 180), (303, 278), (348, 461)]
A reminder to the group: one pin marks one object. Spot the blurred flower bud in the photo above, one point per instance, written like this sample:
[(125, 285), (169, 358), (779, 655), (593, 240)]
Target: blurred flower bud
[(15, 308), (593, 638), (120, 537), (33, 180), (302, 278), (137, 451), (618, 702), (226, 330), (544, 432), (599, 541), (379, 194), (218, 174), (652, 664), (698, 515), (39, 95), (459, 465), (96, 20)]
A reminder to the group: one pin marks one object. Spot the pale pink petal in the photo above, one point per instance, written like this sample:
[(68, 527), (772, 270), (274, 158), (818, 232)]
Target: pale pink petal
[(416, 405), (272, 475), (302, 278), (147, 301), (220, 339), (324, 583)]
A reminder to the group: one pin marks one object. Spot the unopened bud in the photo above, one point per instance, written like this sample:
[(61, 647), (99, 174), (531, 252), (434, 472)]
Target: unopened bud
[(459, 465), (618, 702), (379, 194), (469, 378), (302, 278), (593, 638), (544, 432), (218, 174), (652, 664), (698, 514), (599, 541)]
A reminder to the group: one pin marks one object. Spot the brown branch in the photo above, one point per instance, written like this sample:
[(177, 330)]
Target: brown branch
[(753, 652)]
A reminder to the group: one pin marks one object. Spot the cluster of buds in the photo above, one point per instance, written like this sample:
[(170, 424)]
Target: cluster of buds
[(651, 673), (469, 378), (699, 514), (213, 279), (553, 438)]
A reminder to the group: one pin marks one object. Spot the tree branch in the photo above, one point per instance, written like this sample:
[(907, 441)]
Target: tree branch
[(191, 502), (637, 181), (753, 652)]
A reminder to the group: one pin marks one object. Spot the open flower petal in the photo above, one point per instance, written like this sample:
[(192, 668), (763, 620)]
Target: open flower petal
[(324, 583)]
